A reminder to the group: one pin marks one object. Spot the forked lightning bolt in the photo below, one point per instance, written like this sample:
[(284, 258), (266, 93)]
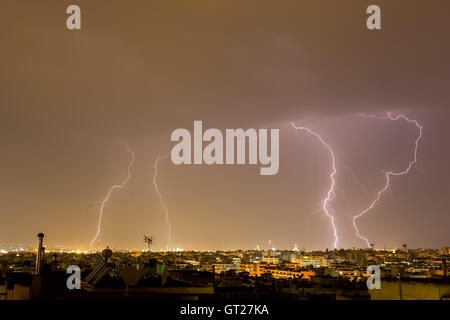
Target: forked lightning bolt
[(161, 200), (108, 196), (331, 193), (389, 174)]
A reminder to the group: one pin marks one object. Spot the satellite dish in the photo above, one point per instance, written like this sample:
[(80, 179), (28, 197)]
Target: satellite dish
[(107, 253), (130, 276)]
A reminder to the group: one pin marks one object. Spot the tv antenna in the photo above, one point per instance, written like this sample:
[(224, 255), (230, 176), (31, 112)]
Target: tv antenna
[(149, 241)]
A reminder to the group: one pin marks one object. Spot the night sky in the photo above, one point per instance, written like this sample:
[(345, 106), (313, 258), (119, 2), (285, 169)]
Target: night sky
[(140, 69)]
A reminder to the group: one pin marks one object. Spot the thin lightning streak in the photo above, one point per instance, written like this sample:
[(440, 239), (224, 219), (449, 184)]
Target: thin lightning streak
[(331, 193), (388, 174), (161, 198), (90, 208), (353, 175), (108, 196)]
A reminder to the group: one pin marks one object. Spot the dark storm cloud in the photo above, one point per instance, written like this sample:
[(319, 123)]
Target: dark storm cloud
[(146, 64)]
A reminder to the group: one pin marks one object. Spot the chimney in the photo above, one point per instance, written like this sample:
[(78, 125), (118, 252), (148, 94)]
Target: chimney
[(444, 267), (42, 254), (39, 255), (54, 263)]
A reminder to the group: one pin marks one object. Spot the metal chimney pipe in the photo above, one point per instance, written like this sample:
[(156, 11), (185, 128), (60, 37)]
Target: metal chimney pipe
[(444, 267), (39, 254)]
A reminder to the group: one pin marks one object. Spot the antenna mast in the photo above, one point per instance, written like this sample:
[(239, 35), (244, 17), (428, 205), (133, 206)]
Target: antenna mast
[(149, 241)]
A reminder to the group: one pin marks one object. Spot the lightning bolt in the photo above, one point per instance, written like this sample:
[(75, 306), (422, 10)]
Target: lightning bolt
[(108, 196), (161, 200), (389, 174), (331, 193)]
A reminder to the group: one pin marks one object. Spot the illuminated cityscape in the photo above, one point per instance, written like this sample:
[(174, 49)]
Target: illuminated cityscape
[(406, 274)]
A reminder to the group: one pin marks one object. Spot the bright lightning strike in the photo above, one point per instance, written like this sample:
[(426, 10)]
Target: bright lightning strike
[(161, 198), (388, 174), (108, 196), (331, 193)]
